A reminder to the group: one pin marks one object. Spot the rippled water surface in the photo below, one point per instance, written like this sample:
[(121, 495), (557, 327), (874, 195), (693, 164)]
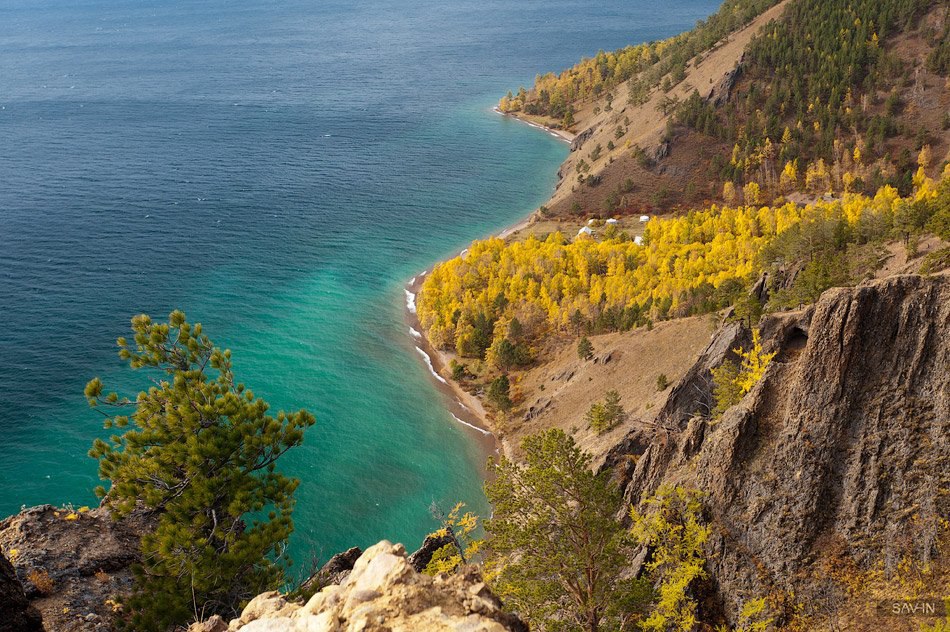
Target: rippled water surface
[(278, 170)]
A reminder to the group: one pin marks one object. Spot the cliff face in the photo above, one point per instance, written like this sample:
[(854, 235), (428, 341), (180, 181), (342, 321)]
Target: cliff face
[(382, 592), (838, 455)]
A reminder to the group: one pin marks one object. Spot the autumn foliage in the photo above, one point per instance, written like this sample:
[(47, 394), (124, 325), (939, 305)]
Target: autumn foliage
[(695, 263)]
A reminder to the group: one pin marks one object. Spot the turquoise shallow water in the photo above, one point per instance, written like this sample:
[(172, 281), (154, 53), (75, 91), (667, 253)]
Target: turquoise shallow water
[(278, 170)]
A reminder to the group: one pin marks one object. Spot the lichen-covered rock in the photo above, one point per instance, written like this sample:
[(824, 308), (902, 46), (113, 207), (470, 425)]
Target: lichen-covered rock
[(383, 592)]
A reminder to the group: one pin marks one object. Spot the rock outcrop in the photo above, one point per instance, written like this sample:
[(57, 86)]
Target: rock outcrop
[(382, 592), (433, 542), (582, 138), (17, 614), (334, 571), (840, 452), (72, 563), (721, 92)]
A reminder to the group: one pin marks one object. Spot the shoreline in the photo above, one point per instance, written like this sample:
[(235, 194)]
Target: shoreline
[(560, 134), (467, 409)]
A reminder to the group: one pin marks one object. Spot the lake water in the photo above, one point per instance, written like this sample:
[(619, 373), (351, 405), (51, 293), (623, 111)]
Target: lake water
[(278, 170)]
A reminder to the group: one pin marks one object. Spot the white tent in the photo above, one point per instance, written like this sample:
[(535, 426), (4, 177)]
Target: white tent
[(585, 231), (644, 218)]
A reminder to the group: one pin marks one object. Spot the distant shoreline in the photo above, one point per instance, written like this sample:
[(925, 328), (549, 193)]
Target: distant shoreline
[(561, 134)]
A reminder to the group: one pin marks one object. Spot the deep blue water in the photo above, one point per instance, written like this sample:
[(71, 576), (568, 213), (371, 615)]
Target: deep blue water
[(277, 169)]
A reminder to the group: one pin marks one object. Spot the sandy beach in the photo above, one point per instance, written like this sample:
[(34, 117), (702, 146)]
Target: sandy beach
[(566, 136), (467, 409)]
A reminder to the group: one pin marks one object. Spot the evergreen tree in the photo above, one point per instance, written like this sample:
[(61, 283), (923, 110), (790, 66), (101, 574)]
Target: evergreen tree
[(726, 389), (199, 453), (554, 542), (585, 350), (606, 415), (498, 393)]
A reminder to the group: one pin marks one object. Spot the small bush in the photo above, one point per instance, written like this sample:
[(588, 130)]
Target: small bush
[(662, 382), (41, 579), (459, 370)]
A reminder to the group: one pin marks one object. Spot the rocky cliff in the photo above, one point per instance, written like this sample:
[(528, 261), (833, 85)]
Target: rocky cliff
[(837, 459), (381, 593)]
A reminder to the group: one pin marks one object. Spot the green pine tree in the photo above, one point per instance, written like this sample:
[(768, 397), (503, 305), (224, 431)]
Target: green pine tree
[(556, 548), (198, 451), (585, 350), (606, 415), (499, 393)]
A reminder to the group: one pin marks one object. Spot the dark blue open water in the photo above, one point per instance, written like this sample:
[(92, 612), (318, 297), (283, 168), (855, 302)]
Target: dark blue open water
[(277, 169)]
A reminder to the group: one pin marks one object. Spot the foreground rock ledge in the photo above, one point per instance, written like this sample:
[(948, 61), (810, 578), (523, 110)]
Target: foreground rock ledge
[(383, 592)]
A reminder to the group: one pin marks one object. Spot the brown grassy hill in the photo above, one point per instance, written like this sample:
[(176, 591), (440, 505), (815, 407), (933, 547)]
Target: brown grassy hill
[(679, 178)]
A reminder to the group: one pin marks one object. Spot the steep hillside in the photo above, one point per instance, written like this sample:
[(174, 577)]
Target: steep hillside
[(631, 136), (799, 95)]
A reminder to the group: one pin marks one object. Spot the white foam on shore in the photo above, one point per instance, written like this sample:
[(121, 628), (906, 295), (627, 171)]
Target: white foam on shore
[(410, 301), (473, 427), (428, 361), (415, 333), (464, 407), (412, 281), (534, 125)]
